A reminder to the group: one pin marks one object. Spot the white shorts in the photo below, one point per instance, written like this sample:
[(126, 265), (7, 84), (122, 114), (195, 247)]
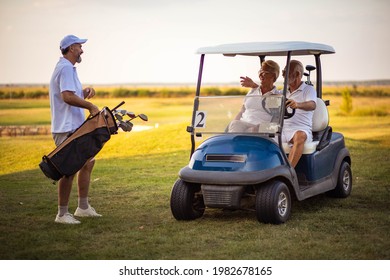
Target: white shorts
[(287, 135)]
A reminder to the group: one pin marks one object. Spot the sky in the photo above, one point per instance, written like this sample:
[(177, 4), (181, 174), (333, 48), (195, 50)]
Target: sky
[(155, 41)]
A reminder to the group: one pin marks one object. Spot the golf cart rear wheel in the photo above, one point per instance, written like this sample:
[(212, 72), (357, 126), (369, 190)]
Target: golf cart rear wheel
[(186, 201), (273, 203), (344, 182)]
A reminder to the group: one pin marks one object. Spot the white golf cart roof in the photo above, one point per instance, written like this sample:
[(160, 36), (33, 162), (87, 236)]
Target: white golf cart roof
[(268, 49)]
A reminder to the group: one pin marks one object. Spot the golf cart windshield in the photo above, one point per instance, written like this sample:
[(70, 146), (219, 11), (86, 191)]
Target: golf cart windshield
[(216, 115)]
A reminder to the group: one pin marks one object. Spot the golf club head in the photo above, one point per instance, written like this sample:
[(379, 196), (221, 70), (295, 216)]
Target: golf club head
[(122, 112), (118, 117), (126, 126), (130, 115), (143, 117)]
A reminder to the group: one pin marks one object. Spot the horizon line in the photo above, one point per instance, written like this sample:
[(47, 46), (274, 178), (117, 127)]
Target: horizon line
[(166, 84)]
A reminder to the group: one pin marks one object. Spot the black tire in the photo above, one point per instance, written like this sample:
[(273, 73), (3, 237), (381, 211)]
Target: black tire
[(344, 182), (186, 201), (273, 203)]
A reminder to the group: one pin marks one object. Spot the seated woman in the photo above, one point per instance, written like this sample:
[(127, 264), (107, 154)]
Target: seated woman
[(253, 112)]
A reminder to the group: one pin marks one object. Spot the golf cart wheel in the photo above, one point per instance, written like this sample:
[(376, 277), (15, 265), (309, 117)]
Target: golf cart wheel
[(344, 182), (273, 203), (186, 201)]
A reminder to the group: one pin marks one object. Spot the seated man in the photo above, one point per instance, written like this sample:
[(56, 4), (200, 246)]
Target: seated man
[(252, 112), (302, 97)]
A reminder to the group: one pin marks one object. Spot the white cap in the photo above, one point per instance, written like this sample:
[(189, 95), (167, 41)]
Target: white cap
[(70, 40)]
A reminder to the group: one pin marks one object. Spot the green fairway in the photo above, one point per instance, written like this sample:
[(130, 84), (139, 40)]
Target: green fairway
[(131, 185)]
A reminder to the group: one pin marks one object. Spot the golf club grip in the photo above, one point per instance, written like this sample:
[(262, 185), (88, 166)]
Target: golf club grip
[(117, 106)]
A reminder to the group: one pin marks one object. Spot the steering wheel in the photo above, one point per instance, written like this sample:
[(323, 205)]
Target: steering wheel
[(288, 112), (264, 107)]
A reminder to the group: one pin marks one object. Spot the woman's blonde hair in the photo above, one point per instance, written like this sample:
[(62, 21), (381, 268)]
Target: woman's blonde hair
[(272, 66)]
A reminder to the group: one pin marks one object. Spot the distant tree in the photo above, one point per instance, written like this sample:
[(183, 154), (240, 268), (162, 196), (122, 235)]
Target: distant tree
[(346, 104)]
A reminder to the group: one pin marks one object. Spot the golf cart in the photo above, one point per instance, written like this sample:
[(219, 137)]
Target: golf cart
[(250, 170)]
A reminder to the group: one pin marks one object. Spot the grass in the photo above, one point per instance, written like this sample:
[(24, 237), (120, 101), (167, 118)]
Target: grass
[(131, 187)]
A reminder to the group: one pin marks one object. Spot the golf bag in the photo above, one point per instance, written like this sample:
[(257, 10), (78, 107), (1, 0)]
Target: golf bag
[(83, 144)]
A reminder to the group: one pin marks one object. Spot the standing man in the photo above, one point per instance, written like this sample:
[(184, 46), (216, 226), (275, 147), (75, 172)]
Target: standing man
[(302, 97), (67, 104)]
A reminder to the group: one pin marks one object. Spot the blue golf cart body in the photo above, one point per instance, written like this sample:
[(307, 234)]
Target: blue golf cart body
[(250, 170)]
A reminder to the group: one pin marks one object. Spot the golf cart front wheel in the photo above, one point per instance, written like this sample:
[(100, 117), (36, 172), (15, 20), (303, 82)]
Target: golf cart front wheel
[(273, 203), (186, 201)]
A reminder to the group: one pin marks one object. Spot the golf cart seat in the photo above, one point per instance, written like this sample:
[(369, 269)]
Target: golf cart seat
[(321, 131)]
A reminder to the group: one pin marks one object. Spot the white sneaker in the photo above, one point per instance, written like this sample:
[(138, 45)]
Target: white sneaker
[(66, 219), (89, 212)]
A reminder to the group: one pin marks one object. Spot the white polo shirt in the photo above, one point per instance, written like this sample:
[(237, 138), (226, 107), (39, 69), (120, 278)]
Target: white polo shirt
[(64, 117), (254, 112), (302, 120)]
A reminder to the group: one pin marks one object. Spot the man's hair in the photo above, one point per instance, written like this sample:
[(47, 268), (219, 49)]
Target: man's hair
[(273, 66), (296, 65), (65, 51)]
